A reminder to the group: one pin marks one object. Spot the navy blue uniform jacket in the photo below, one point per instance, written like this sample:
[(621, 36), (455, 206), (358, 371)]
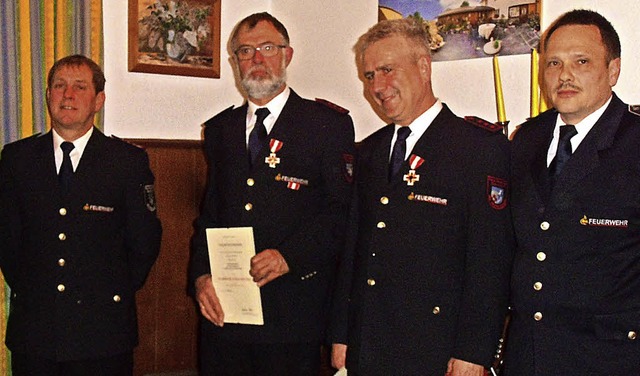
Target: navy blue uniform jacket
[(426, 272), (576, 275), (74, 261), (306, 223)]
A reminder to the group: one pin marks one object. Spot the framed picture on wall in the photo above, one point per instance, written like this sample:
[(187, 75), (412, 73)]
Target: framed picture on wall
[(177, 37), (472, 28)]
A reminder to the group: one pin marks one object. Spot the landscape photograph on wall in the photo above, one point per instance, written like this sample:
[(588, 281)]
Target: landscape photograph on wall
[(467, 29)]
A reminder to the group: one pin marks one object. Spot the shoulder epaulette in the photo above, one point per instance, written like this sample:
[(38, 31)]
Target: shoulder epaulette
[(219, 116), (332, 106), (481, 123), (634, 109)]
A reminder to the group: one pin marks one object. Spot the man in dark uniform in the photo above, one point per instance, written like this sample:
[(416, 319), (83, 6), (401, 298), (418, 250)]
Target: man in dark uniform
[(294, 193), (576, 213), (79, 234), (424, 282)]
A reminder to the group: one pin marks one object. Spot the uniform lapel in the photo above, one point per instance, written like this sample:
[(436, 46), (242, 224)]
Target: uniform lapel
[(586, 157), (44, 162), (380, 159), (91, 155), (539, 169), (236, 140), (288, 120)]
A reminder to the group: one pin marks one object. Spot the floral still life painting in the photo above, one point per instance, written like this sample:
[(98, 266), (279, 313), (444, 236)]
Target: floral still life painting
[(180, 37)]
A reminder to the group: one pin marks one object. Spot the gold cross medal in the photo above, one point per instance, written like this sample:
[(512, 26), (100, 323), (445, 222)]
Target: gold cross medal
[(414, 162), (272, 160)]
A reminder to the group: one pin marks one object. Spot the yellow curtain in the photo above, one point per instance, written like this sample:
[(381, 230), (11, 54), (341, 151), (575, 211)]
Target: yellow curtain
[(33, 35)]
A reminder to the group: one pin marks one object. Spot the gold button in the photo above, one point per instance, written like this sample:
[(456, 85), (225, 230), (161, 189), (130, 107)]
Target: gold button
[(384, 200), (62, 211), (537, 286), (632, 335), (116, 298), (248, 206), (371, 282), (537, 316), (541, 256), (250, 182), (62, 236), (436, 310), (381, 225), (61, 262), (61, 287), (545, 225)]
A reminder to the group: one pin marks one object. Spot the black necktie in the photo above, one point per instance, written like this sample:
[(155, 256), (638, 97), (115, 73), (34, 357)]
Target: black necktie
[(258, 134), (399, 151), (66, 169), (564, 150)]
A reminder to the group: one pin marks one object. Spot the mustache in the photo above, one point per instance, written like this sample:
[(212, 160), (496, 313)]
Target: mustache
[(567, 85), (259, 68)]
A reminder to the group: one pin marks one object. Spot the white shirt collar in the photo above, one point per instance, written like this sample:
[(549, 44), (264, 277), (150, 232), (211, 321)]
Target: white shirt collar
[(79, 145), (275, 107), (418, 127), (583, 128)]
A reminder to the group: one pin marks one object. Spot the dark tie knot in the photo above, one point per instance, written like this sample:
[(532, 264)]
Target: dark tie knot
[(261, 114), (403, 133), (67, 147), (567, 132)]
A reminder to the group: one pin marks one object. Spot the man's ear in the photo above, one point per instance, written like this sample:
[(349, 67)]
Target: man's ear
[(288, 53)]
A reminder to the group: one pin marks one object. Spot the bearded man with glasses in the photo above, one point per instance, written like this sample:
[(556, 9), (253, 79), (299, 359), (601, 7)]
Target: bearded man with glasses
[(282, 165)]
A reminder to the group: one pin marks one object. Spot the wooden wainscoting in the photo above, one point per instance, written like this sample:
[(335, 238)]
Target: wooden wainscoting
[(167, 316)]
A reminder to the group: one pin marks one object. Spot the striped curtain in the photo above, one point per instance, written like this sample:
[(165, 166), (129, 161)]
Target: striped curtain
[(33, 35)]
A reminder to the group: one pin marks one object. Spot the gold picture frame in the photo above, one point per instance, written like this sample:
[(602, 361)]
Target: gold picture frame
[(176, 37)]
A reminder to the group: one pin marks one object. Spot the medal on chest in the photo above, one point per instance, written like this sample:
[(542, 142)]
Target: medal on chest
[(415, 161), (274, 146)]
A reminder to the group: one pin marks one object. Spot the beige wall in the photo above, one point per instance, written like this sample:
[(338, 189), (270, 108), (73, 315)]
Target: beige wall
[(143, 105)]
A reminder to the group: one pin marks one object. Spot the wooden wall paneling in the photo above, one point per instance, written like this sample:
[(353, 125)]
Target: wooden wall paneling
[(167, 316)]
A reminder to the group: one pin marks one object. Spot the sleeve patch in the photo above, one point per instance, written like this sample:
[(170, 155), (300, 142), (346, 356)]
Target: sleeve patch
[(348, 167), (149, 197), (634, 109), (497, 192)]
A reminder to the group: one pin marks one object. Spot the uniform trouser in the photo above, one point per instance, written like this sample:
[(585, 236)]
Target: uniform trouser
[(23, 364), (228, 358)]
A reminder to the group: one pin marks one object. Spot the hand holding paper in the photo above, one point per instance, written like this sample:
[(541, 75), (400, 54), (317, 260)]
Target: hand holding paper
[(267, 266), (208, 300)]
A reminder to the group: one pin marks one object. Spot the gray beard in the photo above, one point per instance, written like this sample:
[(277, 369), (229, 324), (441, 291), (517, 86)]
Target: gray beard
[(265, 88)]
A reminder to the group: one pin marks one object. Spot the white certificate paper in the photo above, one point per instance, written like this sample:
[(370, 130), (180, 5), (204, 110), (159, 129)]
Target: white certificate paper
[(230, 253)]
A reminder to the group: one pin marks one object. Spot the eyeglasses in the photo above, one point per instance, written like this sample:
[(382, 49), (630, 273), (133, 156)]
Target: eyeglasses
[(267, 50)]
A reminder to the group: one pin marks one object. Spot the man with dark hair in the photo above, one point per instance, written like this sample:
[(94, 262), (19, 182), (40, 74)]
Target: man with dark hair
[(282, 165), (576, 213), (424, 281), (79, 235)]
